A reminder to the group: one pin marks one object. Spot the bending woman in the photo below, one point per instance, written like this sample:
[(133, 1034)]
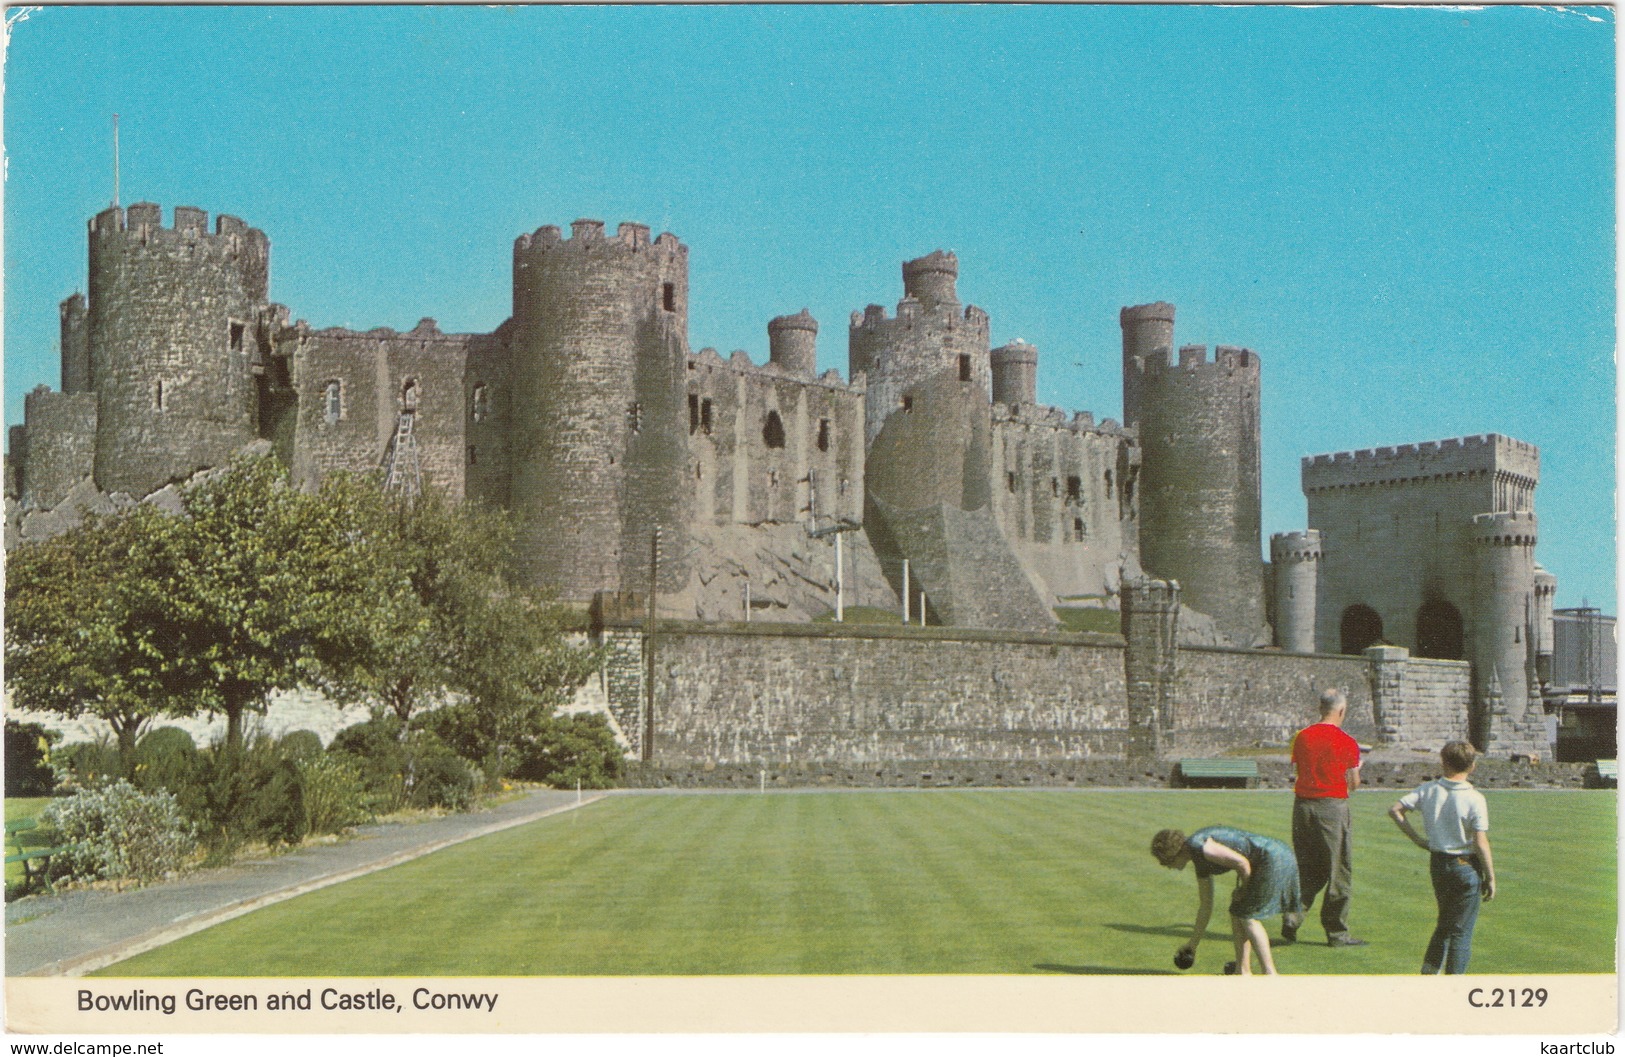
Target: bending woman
[(1266, 884)]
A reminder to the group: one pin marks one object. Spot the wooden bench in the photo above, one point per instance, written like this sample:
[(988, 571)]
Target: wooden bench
[(23, 847), (1607, 774), (1223, 773)]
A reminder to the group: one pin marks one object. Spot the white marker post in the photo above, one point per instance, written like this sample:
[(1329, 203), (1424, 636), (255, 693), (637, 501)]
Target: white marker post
[(905, 591)]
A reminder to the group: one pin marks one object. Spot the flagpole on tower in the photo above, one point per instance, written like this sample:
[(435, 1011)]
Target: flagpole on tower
[(115, 160)]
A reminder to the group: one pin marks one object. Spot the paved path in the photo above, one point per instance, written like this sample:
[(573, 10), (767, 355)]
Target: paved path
[(76, 932)]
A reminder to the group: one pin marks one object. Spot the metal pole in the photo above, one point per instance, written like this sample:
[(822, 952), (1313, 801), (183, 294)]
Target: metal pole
[(115, 159), (905, 591), (840, 580)]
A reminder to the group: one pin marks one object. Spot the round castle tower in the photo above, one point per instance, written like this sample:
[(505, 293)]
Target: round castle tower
[(1545, 633), (599, 443), (930, 337), (1296, 560), (1501, 649), (1015, 374), (793, 344), (1198, 422), (170, 332)]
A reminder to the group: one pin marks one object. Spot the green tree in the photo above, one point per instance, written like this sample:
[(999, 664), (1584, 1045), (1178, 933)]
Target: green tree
[(495, 657), (84, 630), (266, 587)]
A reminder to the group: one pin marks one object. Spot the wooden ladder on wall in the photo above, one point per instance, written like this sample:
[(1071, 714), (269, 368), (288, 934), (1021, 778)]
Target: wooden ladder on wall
[(402, 472)]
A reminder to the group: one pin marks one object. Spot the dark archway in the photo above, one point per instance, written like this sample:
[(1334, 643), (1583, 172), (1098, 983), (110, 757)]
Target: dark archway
[(1439, 632), (1361, 628)]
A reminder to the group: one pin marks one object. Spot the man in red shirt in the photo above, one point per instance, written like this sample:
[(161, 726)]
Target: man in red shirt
[(1327, 762)]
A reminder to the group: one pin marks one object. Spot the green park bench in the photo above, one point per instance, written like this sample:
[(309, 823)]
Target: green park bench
[(1231, 774), (1607, 773), (23, 847)]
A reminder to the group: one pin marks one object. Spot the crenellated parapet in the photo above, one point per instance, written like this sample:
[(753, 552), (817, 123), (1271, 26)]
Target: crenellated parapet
[(1511, 529), (1291, 547), (1513, 463), (140, 228), (1081, 422)]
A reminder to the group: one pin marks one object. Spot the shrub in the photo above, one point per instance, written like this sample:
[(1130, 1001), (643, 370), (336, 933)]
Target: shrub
[(332, 792), (247, 793), (439, 777), (167, 758), (28, 753), (420, 771), (116, 832), (568, 749), (300, 744), (85, 764)]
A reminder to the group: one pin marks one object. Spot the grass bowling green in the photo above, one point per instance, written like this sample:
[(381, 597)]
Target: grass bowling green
[(926, 882)]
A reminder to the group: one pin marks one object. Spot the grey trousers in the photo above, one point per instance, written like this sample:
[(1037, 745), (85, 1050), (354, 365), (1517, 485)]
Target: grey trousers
[(1322, 839)]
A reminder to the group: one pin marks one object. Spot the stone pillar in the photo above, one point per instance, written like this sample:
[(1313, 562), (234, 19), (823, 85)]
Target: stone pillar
[(1150, 664), (1388, 666), (1296, 560)]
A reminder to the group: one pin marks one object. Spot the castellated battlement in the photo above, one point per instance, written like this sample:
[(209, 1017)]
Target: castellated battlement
[(911, 310), (144, 222), (1159, 311), (740, 363), (1193, 359), (427, 330), (1459, 456), (1079, 422), (1295, 546), (587, 236), (1507, 529)]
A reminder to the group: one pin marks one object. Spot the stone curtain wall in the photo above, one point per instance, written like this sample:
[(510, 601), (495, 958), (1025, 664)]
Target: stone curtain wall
[(1419, 702), (1225, 699), (733, 694), (737, 695)]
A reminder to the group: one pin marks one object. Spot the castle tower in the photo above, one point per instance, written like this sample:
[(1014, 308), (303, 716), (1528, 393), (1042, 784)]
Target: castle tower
[(793, 344), (1198, 422), (1296, 559), (1505, 720), (170, 336), (599, 445), (1015, 374), (1545, 632), (75, 345), (930, 338)]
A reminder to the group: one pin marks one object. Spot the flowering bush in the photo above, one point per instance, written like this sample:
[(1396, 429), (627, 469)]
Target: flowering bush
[(116, 832)]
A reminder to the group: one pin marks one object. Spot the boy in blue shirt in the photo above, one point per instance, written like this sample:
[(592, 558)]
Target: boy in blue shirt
[(1457, 820)]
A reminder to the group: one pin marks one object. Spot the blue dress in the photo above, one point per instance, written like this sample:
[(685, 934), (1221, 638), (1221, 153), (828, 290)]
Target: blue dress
[(1273, 887)]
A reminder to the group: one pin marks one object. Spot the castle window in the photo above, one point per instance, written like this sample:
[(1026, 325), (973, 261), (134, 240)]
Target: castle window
[(1074, 490), (482, 402), (634, 418), (773, 430), (693, 412), (409, 395), (237, 336), (1054, 486), (1010, 481), (908, 403), (705, 417), (668, 297), (1108, 484), (158, 396), (772, 478), (823, 434), (332, 402), (1078, 528), (842, 489), (473, 456), (964, 368)]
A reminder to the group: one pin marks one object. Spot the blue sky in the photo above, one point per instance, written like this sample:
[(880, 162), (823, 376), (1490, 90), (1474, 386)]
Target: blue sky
[(1408, 213)]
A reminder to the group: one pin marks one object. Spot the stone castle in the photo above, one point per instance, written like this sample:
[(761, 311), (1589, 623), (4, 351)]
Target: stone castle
[(928, 482)]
